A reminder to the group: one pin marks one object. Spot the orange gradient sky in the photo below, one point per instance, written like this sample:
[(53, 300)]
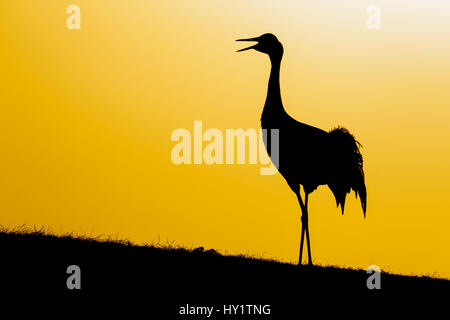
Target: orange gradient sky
[(86, 118)]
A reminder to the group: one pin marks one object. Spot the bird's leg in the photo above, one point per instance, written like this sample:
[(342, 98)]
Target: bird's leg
[(302, 207), (305, 222), (301, 245)]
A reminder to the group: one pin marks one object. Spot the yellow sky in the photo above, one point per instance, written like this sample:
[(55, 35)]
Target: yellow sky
[(86, 118)]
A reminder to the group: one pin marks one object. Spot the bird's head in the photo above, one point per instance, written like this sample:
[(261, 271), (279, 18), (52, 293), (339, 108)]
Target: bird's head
[(267, 43)]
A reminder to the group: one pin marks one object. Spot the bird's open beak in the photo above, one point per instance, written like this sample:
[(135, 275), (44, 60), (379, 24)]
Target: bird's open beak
[(249, 39)]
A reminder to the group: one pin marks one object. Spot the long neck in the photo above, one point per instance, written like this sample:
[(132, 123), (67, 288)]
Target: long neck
[(273, 107)]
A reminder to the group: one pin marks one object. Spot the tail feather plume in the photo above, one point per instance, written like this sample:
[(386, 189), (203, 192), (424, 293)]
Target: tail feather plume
[(348, 173)]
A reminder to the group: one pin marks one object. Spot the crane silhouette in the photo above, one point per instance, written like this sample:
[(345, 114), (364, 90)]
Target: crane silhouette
[(308, 156)]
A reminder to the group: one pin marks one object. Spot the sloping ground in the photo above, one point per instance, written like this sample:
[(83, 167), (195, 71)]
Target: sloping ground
[(35, 265)]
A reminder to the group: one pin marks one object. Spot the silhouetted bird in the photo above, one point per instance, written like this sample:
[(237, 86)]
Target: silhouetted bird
[(308, 156)]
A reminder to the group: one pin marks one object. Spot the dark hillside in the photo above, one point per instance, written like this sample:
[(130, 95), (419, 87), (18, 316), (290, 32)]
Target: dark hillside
[(34, 265)]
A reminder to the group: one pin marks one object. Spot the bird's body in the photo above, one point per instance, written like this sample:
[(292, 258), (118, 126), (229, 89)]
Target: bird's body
[(306, 155), (311, 157), (301, 149)]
